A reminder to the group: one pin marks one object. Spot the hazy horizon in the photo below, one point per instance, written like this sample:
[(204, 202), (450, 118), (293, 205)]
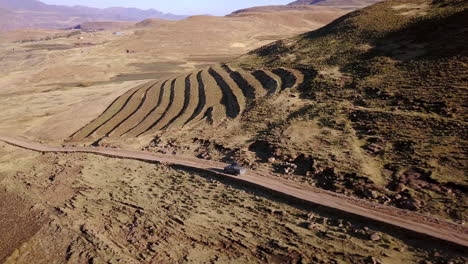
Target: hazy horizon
[(181, 7)]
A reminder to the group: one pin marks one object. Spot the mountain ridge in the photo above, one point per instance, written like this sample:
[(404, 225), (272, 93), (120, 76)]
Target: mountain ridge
[(343, 4), (36, 14)]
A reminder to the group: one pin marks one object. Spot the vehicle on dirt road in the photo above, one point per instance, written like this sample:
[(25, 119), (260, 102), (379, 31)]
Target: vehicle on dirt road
[(234, 169)]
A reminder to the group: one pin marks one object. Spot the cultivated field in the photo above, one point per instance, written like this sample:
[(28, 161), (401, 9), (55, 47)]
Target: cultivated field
[(211, 95)]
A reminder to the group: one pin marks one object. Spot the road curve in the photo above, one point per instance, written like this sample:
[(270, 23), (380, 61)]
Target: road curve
[(415, 222)]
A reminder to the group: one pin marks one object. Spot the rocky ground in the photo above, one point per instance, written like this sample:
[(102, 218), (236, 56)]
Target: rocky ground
[(85, 208)]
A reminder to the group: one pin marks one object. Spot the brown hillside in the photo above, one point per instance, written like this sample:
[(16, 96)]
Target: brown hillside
[(344, 4), (152, 22), (380, 113), (392, 93), (105, 25)]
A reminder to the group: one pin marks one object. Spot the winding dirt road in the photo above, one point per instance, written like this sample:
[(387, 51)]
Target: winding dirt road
[(415, 222)]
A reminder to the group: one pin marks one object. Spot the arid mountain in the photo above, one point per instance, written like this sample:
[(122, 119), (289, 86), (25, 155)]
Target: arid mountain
[(344, 4), (9, 18), (35, 14), (23, 5)]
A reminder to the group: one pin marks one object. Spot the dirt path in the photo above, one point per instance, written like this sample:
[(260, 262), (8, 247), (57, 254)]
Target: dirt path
[(400, 218)]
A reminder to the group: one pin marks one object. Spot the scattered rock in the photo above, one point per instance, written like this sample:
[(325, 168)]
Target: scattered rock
[(374, 149), (408, 203), (289, 168), (375, 237), (371, 260), (312, 226), (271, 160)]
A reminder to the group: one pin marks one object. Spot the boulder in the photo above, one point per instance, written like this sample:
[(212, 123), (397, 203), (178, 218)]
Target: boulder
[(375, 237)]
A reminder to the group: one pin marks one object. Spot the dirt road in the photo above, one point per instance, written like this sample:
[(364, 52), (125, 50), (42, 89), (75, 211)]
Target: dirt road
[(418, 223)]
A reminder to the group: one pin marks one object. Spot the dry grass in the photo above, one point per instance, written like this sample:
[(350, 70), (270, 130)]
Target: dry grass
[(375, 116), (111, 111)]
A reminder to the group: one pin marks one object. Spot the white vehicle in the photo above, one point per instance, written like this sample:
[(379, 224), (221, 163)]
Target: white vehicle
[(234, 169)]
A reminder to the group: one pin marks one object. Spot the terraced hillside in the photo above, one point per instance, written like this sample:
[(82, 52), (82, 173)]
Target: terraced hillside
[(377, 109), (212, 95)]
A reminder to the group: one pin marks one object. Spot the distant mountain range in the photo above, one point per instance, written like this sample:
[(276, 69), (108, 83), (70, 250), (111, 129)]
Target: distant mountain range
[(343, 4), (35, 14)]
